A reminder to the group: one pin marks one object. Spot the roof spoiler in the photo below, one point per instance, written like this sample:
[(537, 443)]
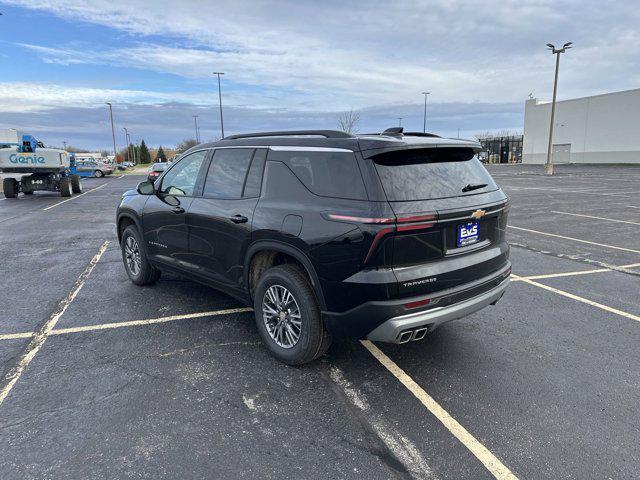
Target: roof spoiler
[(399, 133)]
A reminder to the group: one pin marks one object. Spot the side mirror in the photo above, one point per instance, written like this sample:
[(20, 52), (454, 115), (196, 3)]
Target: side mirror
[(146, 188)]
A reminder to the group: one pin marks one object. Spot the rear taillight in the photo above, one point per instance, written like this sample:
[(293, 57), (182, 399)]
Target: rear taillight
[(404, 223), (351, 219)]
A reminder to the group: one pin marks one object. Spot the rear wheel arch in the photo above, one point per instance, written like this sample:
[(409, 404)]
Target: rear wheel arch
[(265, 254)]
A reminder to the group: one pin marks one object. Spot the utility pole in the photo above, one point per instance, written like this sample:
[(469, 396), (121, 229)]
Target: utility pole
[(220, 101), (400, 121), (424, 122), (128, 142), (113, 133), (195, 120), (548, 167)]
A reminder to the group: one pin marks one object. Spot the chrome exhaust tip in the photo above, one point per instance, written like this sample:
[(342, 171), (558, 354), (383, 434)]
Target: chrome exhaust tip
[(405, 336), (419, 333)]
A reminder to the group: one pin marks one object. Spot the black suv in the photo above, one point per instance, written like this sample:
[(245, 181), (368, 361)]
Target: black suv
[(382, 236)]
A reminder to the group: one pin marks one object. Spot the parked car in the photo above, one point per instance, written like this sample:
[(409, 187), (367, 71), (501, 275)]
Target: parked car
[(324, 234), (107, 167), (155, 171), (90, 168)]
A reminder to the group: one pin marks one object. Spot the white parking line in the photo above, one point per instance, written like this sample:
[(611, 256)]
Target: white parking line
[(41, 335), (482, 453), (73, 198), (632, 206), (584, 192), (571, 274), (580, 299), (401, 447), (129, 323), (597, 218), (575, 239), (151, 321)]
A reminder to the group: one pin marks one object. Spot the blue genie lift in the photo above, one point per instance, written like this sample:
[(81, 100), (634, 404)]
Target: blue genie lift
[(45, 169)]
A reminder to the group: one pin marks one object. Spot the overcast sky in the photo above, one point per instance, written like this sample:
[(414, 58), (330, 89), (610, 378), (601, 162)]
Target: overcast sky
[(297, 64)]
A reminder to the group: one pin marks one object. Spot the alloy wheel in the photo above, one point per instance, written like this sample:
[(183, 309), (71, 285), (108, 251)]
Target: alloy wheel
[(132, 255), (281, 316)]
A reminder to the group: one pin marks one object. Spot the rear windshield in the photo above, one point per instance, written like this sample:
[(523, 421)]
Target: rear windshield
[(159, 167), (428, 174)]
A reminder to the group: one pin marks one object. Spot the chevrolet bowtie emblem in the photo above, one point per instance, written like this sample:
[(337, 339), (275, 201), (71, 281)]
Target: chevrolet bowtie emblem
[(478, 214)]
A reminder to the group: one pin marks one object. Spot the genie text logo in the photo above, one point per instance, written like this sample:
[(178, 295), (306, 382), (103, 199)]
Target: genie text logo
[(32, 159)]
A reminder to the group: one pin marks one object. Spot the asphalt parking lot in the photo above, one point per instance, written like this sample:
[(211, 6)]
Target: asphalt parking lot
[(103, 379)]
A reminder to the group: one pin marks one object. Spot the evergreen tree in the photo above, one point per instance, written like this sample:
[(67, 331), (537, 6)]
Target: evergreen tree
[(161, 156), (145, 156)]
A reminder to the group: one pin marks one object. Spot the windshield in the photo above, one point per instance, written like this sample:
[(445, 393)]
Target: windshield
[(428, 174), (159, 167)]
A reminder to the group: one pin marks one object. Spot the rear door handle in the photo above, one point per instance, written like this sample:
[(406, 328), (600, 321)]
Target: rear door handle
[(239, 219), (178, 210)]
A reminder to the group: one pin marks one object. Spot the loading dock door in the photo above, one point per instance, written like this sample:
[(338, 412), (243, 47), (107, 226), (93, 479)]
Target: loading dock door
[(562, 153)]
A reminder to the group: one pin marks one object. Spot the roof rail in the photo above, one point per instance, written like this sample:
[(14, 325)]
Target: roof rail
[(421, 134), (292, 133)]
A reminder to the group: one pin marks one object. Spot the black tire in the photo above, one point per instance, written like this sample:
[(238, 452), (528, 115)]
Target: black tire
[(65, 187), (145, 274), (23, 181), (98, 173), (10, 187), (313, 340), (76, 186)]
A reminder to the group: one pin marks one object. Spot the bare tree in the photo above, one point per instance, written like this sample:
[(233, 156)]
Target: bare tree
[(185, 145), (348, 121)]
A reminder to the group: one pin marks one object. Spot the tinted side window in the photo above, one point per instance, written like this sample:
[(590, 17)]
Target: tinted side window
[(326, 173), (227, 172), (181, 179), (254, 177)]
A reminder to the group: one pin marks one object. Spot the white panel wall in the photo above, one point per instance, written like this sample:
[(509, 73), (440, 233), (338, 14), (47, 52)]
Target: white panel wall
[(601, 129)]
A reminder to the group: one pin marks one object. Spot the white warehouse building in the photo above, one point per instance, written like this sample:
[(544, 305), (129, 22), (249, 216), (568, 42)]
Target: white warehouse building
[(598, 129)]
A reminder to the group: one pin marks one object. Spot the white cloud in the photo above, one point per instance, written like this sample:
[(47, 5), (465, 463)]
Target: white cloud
[(342, 54), (19, 97), (295, 63)]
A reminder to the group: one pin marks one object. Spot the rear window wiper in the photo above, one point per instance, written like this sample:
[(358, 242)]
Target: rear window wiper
[(470, 187)]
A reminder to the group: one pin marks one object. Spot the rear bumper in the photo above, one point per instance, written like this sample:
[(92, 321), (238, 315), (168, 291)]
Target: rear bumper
[(386, 321), (414, 326)]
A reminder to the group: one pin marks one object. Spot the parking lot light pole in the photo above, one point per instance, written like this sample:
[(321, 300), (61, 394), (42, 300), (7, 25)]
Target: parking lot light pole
[(400, 121), (220, 102), (424, 122), (548, 167), (127, 140), (195, 120), (113, 133)]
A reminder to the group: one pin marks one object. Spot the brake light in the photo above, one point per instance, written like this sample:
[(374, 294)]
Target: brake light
[(418, 303), (376, 241), (348, 218), (399, 224), (417, 218)]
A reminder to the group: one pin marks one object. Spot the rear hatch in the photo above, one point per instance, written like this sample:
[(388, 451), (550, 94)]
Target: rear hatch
[(450, 218)]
